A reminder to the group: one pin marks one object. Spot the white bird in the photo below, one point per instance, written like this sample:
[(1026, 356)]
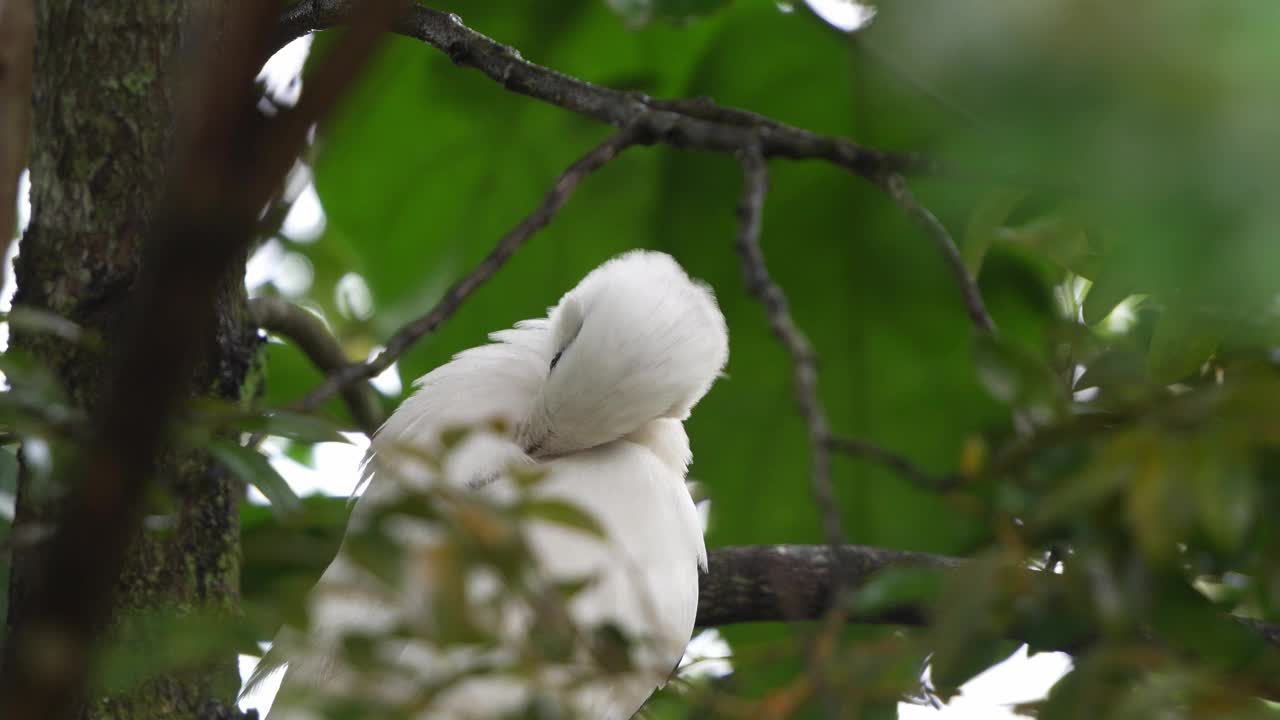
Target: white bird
[(594, 397)]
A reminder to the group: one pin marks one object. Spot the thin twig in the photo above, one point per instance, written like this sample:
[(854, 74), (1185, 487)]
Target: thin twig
[(894, 461), (896, 186), (455, 296), (291, 321), (803, 358)]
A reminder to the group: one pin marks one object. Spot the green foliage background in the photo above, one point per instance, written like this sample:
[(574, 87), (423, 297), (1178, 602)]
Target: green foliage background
[(1092, 153), (1123, 146)]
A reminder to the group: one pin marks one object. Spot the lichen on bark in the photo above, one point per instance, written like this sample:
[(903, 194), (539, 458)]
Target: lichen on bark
[(105, 97)]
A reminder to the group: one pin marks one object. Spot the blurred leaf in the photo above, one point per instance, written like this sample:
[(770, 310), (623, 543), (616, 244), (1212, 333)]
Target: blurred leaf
[(1058, 237), (148, 643), (282, 560), (1019, 378), (639, 12), (301, 428), (212, 415), (8, 472), (30, 378), (951, 670), (1183, 341), (373, 549), (559, 512), (969, 633), (1109, 287), (253, 468), (36, 320), (990, 214), (1226, 494), (898, 587)]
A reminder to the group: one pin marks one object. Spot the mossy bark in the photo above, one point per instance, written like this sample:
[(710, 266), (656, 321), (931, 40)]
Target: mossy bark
[(105, 98)]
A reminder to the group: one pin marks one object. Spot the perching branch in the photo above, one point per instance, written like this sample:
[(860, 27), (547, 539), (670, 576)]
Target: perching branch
[(783, 583), (804, 359), (458, 293), (786, 583), (295, 323)]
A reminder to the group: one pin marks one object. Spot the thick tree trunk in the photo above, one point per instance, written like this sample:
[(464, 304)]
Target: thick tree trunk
[(105, 96)]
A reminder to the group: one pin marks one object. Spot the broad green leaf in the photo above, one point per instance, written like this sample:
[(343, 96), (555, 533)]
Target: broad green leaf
[(1226, 492), (36, 320), (1183, 341), (898, 587), (147, 643), (253, 468), (1020, 379), (559, 512), (301, 428), (1109, 287), (284, 557), (990, 214)]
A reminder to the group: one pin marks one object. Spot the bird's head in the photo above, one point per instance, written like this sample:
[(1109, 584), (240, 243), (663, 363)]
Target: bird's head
[(635, 341)]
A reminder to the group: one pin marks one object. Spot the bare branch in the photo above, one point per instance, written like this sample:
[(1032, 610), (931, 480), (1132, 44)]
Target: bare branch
[(898, 463), (295, 323), (785, 583), (896, 186), (697, 124), (805, 361), (456, 295), (789, 583)]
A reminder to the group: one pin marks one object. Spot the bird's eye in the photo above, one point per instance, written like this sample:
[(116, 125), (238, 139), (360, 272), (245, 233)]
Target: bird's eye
[(555, 360)]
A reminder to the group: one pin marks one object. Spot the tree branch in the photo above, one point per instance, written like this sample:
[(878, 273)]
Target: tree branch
[(696, 124), (900, 464), (295, 323), (785, 583), (458, 293), (789, 583), (896, 186), (804, 360)]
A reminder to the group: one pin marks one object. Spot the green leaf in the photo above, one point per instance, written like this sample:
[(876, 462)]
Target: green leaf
[(1108, 288), (1183, 340), (8, 472), (559, 512), (295, 426), (253, 468), (640, 12), (1226, 493), (282, 558), (36, 320), (898, 587), (981, 651), (991, 213), (149, 643), (1019, 378)]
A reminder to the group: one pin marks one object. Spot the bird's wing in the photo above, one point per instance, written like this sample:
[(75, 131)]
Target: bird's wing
[(646, 573)]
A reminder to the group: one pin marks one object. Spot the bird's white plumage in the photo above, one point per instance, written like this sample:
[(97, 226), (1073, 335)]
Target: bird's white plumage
[(593, 396)]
